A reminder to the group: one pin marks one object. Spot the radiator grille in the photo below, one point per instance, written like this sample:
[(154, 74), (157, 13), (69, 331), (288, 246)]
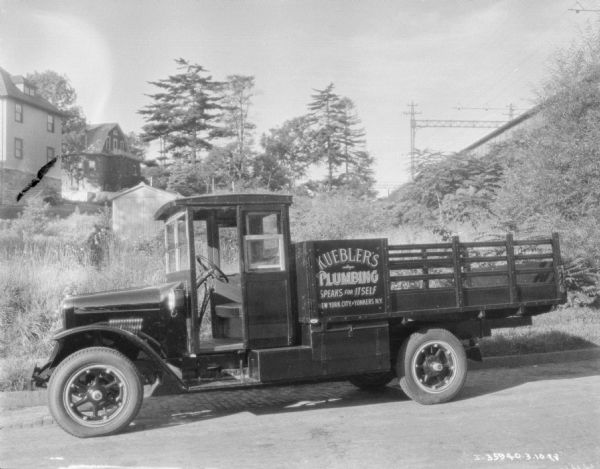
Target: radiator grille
[(128, 324)]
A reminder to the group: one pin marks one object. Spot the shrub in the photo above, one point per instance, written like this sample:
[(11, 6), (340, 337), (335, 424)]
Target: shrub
[(337, 215)]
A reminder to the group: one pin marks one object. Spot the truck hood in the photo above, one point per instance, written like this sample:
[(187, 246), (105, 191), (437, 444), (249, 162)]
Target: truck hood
[(116, 301)]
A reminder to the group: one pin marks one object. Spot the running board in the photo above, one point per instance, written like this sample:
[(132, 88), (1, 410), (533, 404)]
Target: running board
[(234, 379)]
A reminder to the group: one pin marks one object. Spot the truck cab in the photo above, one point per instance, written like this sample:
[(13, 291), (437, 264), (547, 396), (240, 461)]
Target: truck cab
[(244, 306), (232, 254)]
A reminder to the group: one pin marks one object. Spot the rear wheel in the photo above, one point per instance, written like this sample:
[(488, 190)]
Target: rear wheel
[(372, 381), (432, 366), (95, 391)]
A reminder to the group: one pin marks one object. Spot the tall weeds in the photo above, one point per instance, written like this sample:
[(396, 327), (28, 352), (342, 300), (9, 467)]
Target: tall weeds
[(41, 261)]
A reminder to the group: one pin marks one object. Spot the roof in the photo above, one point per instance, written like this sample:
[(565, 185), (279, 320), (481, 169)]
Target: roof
[(211, 201), (96, 135), (500, 130), (143, 185), (8, 89)]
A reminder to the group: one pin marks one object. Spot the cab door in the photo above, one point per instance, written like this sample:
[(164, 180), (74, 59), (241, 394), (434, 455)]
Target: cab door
[(264, 231)]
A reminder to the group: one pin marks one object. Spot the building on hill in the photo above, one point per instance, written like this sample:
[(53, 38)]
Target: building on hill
[(105, 167), (133, 211), (31, 136), (529, 119)]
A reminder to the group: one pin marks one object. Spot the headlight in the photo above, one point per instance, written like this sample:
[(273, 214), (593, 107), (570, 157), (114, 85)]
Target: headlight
[(175, 301), (65, 310)]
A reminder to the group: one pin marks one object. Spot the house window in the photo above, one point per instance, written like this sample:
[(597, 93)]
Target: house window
[(19, 148), (50, 123), (50, 154), (18, 112), (115, 144)]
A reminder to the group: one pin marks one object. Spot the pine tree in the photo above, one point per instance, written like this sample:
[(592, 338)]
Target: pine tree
[(185, 112), (237, 101), (324, 115), (338, 131), (352, 136)]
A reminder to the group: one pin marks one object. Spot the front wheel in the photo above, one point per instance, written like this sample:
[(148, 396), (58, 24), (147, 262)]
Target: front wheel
[(94, 392), (432, 366)]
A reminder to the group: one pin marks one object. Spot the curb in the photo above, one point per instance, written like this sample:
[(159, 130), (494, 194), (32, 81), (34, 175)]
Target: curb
[(529, 359), (18, 399), (27, 409)]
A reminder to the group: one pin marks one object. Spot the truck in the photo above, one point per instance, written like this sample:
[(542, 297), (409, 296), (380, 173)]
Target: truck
[(243, 306)]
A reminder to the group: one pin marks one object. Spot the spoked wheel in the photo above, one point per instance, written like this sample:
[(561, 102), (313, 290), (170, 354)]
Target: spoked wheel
[(432, 366), (96, 391)]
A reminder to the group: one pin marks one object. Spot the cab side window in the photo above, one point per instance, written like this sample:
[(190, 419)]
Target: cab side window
[(263, 242), (177, 246)]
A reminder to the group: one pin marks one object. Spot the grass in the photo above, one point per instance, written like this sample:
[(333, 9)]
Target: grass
[(36, 273)]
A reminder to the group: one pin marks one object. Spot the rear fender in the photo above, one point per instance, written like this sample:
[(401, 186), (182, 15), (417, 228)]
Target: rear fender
[(127, 342)]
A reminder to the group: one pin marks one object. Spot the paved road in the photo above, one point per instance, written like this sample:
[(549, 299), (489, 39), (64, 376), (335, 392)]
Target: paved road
[(545, 416)]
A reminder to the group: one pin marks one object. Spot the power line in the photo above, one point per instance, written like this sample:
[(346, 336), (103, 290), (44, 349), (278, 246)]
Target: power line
[(582, 8), (510, 108)]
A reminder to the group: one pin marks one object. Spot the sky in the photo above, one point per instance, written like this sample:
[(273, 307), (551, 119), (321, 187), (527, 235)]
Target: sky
[(383, 54)]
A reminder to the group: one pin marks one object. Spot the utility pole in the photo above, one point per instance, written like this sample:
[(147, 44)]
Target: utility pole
[(413, 133), (422, 123)]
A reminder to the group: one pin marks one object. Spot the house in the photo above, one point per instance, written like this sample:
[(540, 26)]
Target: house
[(133, 211), (31, 135), (105, 167)]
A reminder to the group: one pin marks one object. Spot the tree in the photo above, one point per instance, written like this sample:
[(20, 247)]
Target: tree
[(185, 112), (187, 179), (136, 145), (236, 104), (449, 188), (324, 114), (338, 132), (270, 173), (351, 134), (156, 174), (289, 150), (223, 167), (554, 169), (360, 180)]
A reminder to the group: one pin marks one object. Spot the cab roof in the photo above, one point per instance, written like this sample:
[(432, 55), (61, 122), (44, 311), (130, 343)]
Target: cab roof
[(216, 201)]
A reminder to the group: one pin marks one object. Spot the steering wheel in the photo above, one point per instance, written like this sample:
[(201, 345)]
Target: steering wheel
[(211, 268)]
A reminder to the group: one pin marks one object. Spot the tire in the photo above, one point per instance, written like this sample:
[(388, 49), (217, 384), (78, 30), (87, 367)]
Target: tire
[(372, 381), (432, 366), (96, 391)]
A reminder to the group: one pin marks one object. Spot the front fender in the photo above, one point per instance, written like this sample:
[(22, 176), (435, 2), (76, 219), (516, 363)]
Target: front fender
[(69, 341)]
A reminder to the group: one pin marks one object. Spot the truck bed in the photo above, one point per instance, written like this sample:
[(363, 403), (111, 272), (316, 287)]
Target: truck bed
[(481, 276), (493, 279)]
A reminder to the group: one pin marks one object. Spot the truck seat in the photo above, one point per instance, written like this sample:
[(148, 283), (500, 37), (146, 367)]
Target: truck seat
[(229, 310), (228, 320)]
